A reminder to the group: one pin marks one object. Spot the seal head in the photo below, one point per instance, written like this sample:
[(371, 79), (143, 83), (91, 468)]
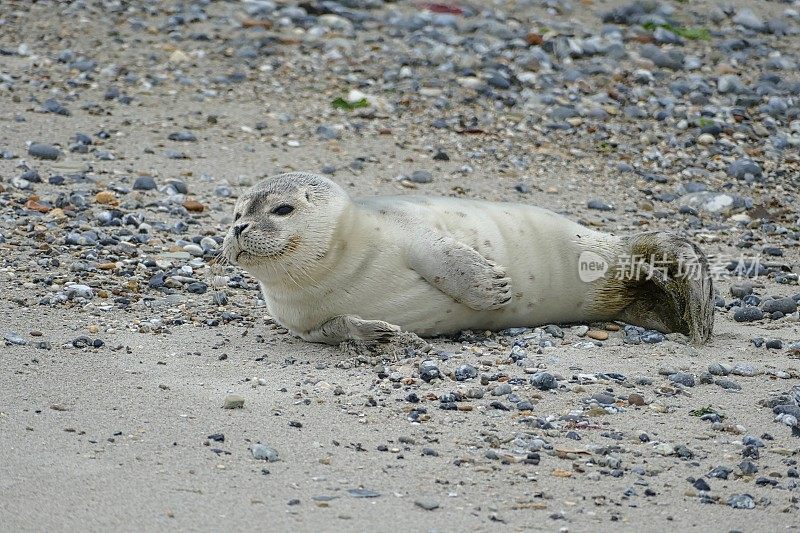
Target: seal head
[(283, 224)]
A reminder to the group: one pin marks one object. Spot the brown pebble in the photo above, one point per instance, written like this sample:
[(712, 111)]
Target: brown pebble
[(33, 205), (105, 197), (194, 206), (597, 335), (612, 327), (36, 333), (636, 399), (534, 39)]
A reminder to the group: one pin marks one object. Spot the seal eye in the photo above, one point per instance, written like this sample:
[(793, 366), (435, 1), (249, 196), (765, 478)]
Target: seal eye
[(283, 210)]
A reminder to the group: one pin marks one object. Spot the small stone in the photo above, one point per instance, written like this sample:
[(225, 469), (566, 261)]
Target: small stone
[(597, 335), (182, 136), (706, 139), (741, 289), (683, 378), (193, 206), (636, 399), (741, 168), (728, 384), (428, 370), (44, 151), (742, 501), (465, 372), (12, 337), (599, 205), (787, 306), (544, 381), (79, 291), (748, 314), (652, 337), (427, 504), (718, 369), (363, 493), (105, 197), (421, 176), (327, 132), (262, 452), (603, 398), (774, 344), (747, 18), (144, 183), (233, 401), (745, 369), (581, 331), (502, 390)]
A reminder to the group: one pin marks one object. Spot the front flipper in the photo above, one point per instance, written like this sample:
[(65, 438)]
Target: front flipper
[(349, 327), (460, 272)]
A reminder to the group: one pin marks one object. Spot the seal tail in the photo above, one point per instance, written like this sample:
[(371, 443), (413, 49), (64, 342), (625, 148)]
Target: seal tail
[(670, 285)]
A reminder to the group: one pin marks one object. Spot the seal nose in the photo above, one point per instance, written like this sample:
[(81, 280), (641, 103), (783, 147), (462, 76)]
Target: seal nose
[(237, 230)]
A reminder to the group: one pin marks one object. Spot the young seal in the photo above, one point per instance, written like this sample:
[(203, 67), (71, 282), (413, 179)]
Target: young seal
[(333, 269)]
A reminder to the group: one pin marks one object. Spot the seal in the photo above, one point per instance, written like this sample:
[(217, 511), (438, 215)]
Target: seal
[(333, 269)]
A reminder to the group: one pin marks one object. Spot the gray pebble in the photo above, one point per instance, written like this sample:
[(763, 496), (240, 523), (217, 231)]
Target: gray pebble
[(683, 378), (79, 291), (748, 314), (44, 151), (719, 369), (12, 337), (502, 390), (741, 168), (544, 381), (745, 369), (787, 306), (465, 372), (262, 452), (182, 136), (144, 183), (421, 176), (427, 504), (728, 384)]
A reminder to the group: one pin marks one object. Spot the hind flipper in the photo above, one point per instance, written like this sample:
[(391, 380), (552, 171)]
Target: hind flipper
[(672, 285)]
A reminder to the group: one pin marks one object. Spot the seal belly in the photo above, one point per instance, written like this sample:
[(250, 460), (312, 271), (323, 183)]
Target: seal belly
[(540, 251)]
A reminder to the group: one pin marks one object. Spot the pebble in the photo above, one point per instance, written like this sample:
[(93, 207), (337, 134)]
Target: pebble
[(44, 151), (12, 337), (742, 501), (742, 168), (636, 399), (745, 369), (421, 176), (728, 384), (426, 503), (597, 335), (787, 306), (544, 381), (262, 452), (144, 183), (182, 136), (465, 372), (683, 378), (748, 314), (233, 401), (719, 369)]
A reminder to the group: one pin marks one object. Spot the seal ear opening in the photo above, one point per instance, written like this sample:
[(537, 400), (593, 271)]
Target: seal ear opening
[(670, 285)]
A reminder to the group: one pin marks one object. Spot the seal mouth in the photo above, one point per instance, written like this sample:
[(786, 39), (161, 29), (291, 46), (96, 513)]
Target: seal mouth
[(289, 247)]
